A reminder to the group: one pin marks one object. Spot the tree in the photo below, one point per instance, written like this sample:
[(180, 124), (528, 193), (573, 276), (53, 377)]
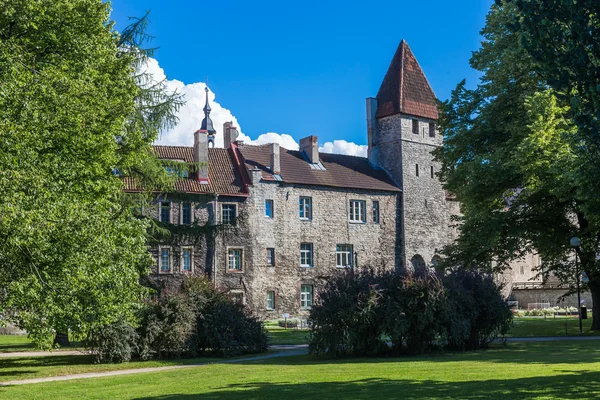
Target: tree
[(512, 156), (73, 112), (562, 38)]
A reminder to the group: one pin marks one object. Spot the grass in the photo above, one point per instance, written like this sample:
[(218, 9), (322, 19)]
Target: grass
[(11, 343), (560, 370), (278, 335), (40, 367), (538, 326)]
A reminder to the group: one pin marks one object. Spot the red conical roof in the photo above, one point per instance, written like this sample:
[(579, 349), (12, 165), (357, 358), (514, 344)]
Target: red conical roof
[(405, 88)]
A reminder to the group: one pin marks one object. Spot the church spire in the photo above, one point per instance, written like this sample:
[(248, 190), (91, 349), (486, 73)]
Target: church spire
[(207, 124)]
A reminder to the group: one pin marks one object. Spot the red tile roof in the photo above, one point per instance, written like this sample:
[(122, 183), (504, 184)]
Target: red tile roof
[(224, 176), (405, 88), (340, 170)]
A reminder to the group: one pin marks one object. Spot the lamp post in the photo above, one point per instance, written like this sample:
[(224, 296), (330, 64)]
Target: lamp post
[(575, 243)]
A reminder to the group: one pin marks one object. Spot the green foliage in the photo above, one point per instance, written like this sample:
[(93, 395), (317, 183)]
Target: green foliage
[(358, 312), (184, 322), (516, 154), (476, 313), (166, 325), (113, 343), (73, 111)]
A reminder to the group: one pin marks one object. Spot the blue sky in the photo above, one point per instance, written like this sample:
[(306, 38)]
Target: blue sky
[(305, 68)]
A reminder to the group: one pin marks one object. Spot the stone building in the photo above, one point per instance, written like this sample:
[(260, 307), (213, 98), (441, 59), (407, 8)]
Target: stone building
[(288, 217)]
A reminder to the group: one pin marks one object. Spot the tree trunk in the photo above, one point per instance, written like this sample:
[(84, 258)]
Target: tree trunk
[(62, 339), (595, 291)]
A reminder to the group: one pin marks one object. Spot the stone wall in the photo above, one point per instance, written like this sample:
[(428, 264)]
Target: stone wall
[(407, 157), (375, 244)]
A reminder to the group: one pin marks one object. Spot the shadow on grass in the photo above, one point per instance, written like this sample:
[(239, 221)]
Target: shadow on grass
[(583, 385)]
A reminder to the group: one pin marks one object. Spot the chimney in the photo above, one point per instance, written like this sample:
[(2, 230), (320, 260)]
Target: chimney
[(201, 156), (230, 134), (372, 134), (310, 147), (275, 164)]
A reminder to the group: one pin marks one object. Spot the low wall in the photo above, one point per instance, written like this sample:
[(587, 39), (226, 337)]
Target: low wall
[(552, 296)]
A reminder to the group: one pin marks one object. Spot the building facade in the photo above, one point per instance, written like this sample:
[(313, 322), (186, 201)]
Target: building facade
[(286, 219)]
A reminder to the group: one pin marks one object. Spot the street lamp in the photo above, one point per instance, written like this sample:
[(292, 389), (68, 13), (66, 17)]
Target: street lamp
[(575, 243)]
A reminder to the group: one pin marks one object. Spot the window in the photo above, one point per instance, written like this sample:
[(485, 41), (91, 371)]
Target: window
[(415, 126), (165, 211), (431, 129), (417, 169), (271, 257), (375, 211), (432, 175), (186, 213), (270, 300), (306, 296), (165, 260), (234, 259), (306, 255), (237, 297), (186, 260), (306, 208), (229, 214), (358, 211), (343, 256), (269, 208)]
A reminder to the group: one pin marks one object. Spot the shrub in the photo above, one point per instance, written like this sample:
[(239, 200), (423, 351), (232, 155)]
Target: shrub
[(359, 311), (194, 319), (347, 318), (114, 343), (166, 326), (476, 312)]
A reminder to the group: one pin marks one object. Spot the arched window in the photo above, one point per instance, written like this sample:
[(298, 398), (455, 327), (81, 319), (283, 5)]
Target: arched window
[(418, 264), (436, 264)]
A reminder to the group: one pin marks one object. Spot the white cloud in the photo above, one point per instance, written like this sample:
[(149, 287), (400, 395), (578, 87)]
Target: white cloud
[(191, 115), (344, 147)]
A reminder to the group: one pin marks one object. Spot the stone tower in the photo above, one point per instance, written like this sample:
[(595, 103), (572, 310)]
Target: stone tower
[(401, 123)]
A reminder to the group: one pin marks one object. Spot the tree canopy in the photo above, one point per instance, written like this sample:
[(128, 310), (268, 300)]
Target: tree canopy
[(75, 114), (513, 155)]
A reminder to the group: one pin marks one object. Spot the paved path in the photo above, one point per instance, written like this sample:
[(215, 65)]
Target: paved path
[(282, 351)]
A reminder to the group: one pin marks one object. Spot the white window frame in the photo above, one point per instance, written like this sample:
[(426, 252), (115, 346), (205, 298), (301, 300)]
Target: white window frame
[(272, 208), (344, 256), (223, 205), (229, 259), (160, 203), (307, 255), (160, 260), (191, 213), (305, 208), (191, 250), (358, 212), (307, 302), (272, 307)]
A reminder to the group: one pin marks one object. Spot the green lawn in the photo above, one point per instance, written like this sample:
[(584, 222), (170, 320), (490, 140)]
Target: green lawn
[(38, 367), (10, 343), (561, 370), (279, 335), (538, 326)]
